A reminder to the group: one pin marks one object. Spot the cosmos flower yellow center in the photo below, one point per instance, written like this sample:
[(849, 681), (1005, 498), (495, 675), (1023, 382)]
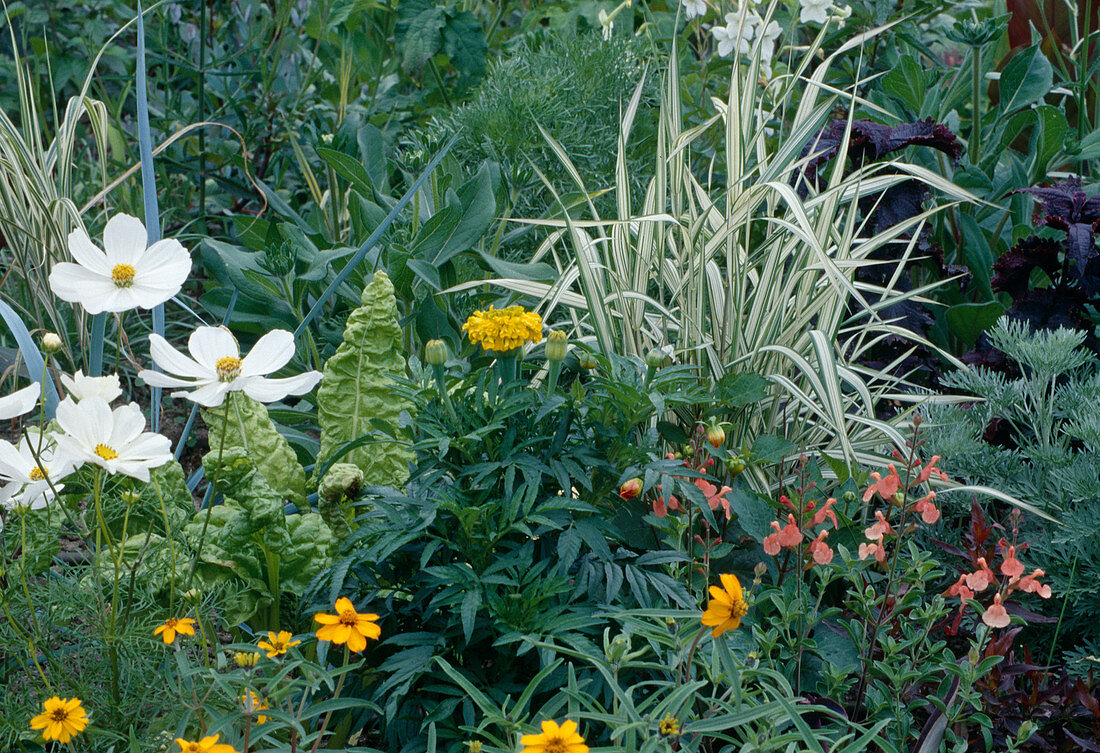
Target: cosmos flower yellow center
[(228, 368), (349, 618), (106, 451), (123, 275), (38, 474)]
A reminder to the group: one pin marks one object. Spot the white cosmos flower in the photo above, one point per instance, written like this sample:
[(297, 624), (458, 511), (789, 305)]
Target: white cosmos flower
[(112, 439), (27, 479), (693, 8), (79, 386), (216, 368), (128, 273), (815, 11), (20, 402)]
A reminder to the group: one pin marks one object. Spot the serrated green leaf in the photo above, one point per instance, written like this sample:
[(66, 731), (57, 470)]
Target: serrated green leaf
[(356, 389)]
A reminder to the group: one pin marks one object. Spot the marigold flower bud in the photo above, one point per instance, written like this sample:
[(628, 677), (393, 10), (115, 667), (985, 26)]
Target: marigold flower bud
[(557, 343), (51, 342), (435, 352), (631, 488)]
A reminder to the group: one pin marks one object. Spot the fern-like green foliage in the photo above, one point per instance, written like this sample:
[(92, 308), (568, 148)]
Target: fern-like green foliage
[(248, 427), (357, 391)]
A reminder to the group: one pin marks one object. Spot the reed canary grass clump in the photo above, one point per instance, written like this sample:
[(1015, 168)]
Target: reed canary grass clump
[(503, 330)]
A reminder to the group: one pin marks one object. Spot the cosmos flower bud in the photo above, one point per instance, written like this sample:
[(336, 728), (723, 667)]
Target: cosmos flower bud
[(51, 342)]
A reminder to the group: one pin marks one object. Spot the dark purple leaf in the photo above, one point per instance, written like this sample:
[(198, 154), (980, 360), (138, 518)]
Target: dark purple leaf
[(1013, 269)]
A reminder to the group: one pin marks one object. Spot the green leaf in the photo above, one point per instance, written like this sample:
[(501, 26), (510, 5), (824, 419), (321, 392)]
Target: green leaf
[(458, 226), (754, 514), (357, 388), (736, 390), (1025, 80), (768, 448), (422, 40), (968, 320), (347, 168), (979, 257), (906, 82), (309, 552), (242, 423), (1048, 139), (464, 43)]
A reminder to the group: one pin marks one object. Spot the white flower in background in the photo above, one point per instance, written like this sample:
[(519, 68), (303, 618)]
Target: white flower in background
[(768, 36), (738, 32), (216, 367), (20, 402), (608, 25), (27, 479), (814, 11), (693, 8), (841, 14), (79, 386), (128, 273), (112, 439)]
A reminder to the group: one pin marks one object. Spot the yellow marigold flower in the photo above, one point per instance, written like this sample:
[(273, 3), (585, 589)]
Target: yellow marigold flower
[(669, 726), (61, 719), (278, 645), (205, 745), (172, 626), (504, 329), (727, 606), (246, 658), (347, 626), (555, 739), (251, 703)]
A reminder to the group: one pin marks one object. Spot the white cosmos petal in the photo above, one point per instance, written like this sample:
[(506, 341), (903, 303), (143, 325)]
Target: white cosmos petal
[(168, 358), (124, 239), (75, 424), (168, 260), (270, 390), (145, 297), (128, 425), (20, 402), (87, 254), (11, 462), (209, 395), (80, 386), (157, 379), (270, 353), (76, 284), (208, 344)]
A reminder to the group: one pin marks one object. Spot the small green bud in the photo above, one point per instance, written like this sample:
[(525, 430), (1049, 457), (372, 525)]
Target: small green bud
[(51, 343), (586, 361), (435, 352), (557, 343), (655, 359)]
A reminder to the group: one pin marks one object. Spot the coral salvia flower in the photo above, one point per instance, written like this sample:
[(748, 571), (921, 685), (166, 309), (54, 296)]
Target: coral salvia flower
[(826, 511), (715, 496), (872, 550), (1030, 584), (205, 745), (820, 551), (887, 487), (555, 739), (502, 330), (216, 368), (173, 627), (1011, 566), (982, 578), (112, 439), (127, 274), (61, 719), (929, 513), (726, 607), (996, 616), (278, 645), (347, 626), (931, 470), (878, 529), (20, 402)]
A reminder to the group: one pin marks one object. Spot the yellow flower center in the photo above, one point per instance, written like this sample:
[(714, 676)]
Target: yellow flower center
[(38, 473), (739, 608), (171, 622), (228, 368), (59, 715), (106, 451), (349, 618), (555, 745), (123, 275)]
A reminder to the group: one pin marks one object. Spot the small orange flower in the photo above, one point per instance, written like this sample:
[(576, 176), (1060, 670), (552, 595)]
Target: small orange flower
[(347, 626), (996, 616), (887, 488), (205, 745), (252, 703), (172, 627), (277, 645), (821, 552), (555, 739), (61, 719), (726, 607)]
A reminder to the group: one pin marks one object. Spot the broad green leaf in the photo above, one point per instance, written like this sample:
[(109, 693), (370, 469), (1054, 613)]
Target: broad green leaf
[(464, 43), (241, 422), (460, 224), (356, 390), (422, 39), (1025, 80), (968, 320), (907, 83), (347, 168)]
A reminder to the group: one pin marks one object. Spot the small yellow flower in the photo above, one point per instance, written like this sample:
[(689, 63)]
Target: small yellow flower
[(246, 658), (251, 703), (347, 626), (669, 726), (61, 719), (205, 745), (172, 626), (727, 606), (277, 645), (555, 739), (474, 746), (504, 329)]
